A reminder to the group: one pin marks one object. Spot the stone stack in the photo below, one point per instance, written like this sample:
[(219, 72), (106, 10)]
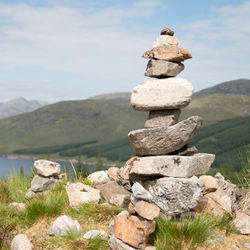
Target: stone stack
[(47, 176), (164, 168)]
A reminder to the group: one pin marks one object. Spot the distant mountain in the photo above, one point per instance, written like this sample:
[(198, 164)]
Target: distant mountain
[(236, 87), (117, 98), (19, 106)]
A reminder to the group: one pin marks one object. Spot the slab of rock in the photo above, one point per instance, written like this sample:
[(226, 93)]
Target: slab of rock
[(187, 150), (79, 193), (167, 31), (21, 242), (210, 182), (147, 210), (173, 195), (164, 140), (140, 193), (99, 177), (162, 118), (40, 184), (111, 188), (169, 165), (63, 224), (112, 173), (92, 234), (242, 223), (47, 168), (133, 230), (120, 200), (116, 244), (162, 94), (161, 69), (166, 40), (168, 53)]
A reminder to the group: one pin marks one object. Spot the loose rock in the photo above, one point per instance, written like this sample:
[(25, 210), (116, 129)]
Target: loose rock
[(112, 173), (116, 244), (169, 165), (40, 184), (92, 234), (162, 118), (147, 210), (162, 94), (21, 242), (99, 177), (167, 31), (242, 223), (164, 140), (173, 195), (47, 168), (120, 200), (18, 206), (79, 193), (133, 230), (168, 53), (186, 150), (166, 40), (210, 182), (63, 224)]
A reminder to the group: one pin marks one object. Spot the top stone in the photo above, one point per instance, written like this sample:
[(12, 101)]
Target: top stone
[(47, 168), (167, 31)]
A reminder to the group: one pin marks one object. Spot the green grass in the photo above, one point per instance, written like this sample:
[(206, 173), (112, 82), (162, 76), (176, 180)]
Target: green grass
[(191, 232), (97, 244)]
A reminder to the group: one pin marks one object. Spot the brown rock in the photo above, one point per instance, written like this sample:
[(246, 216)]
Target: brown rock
[(120, 200), (131, 208), (210, 182), (111, 188), (162, 118), (133, 230), (202, 204), (112, 173), (167, 31), (116, 244), (147, 210), (242, 223), (168, 53)]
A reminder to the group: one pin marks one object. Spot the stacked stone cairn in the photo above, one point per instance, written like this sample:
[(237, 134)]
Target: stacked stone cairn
[(48, 175), (162, 175)]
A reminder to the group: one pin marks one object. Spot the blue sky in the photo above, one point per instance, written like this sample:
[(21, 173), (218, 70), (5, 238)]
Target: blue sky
[(72, 49)]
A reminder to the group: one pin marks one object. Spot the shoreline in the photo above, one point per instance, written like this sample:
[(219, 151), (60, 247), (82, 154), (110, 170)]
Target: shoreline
[(13, 156)]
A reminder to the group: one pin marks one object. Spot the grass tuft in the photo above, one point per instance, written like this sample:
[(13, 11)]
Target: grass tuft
[(97, 244)]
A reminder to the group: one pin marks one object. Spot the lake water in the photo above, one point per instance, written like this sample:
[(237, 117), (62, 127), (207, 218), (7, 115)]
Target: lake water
[(9, 165)]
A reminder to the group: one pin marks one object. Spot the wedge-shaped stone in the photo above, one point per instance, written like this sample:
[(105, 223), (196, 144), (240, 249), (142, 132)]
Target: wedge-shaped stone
[(160, 68), (170, 165), (168, 53), (164, 140), (162, 118), (173, 195), (161, 94), (133, 230), (166, 40), (147, 210)]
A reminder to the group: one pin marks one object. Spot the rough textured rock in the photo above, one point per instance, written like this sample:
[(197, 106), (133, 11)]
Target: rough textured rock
[(169, 165), (18, 206), (167, 31), (62, 224), (164, 140), (99, 177), (79, 193), (147, 210), (160, 68), (133, 230), (162, 118), (116, 244), (39, 183), (162, 94), (131, 208), (210, 182), (172, 195), (111, 188), (47, 168), (120, 200), (140, 193), (21, 242), (186, 150), (168, 53), (112, 173), (166, 40), (242, 223), (92, 234)]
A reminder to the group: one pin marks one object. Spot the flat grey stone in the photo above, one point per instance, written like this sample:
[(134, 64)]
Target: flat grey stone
[(63, 224), (92, 234), (170, 166), (161, 68), (172, 195), (140, 193), (40, 184), (164, 140), (162, 94), (162, 118), (21, 242), (47, 168)]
